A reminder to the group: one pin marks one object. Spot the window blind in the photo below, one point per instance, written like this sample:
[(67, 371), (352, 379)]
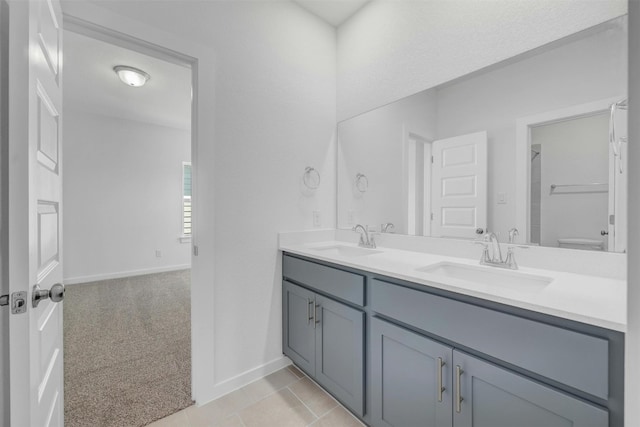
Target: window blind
[(186, 199)]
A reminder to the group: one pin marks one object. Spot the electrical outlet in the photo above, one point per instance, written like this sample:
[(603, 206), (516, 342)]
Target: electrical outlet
[(158, 254), (316, 219)]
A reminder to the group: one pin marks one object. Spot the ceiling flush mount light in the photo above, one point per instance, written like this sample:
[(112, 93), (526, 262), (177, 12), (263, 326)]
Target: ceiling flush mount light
[(131, 76)]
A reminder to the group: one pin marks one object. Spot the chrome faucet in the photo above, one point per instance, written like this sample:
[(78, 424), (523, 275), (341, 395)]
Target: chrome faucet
[(495, 258), (366, 240), (496, 251), (387, 227)]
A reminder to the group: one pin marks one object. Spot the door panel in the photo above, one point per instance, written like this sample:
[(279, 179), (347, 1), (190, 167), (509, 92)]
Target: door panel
[(495, 397), (459, 185), (340, 352), (49, 34), (405, 384), (35, 210), (299, 333)]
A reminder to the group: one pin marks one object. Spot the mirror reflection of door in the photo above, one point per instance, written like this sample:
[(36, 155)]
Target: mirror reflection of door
[(572, 186), (446, 186), (459, 185)]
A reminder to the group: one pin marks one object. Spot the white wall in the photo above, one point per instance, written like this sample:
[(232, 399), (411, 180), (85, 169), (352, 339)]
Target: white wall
[(586, 70), (632, 339), (122, 197), (4, 145), (374, 144), (573, 152), (274, 91), (392, 49)]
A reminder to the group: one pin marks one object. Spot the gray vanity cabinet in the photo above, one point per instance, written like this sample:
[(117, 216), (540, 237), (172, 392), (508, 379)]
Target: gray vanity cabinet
[(417, 381), (438, 359), (491, 396), (326, 339), (340, 351), (411, 378), (299, 329)]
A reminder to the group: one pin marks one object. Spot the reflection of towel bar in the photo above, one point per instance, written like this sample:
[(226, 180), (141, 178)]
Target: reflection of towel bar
[(594, 187)]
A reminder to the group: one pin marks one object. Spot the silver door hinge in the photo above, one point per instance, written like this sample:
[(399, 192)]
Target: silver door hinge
[(431, 216), (612, 219), (18, 302), (431, 159), (195, 250)]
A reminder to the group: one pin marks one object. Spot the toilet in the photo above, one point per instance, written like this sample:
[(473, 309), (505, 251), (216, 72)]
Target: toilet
[(581, 243)]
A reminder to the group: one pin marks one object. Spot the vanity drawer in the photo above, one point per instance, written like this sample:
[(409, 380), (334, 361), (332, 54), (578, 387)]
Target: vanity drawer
[(572, 358), (339, 283)]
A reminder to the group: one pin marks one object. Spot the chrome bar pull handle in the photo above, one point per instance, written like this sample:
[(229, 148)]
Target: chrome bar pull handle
[(441, 388), (459, 397), (315, 315), (309, 314)]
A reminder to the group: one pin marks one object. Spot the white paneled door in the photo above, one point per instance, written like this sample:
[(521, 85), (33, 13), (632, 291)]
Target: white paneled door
[(35, 213), (459, 186)]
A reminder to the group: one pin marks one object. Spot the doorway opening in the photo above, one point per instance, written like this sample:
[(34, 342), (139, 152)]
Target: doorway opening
[(128, 194), (572, 190)]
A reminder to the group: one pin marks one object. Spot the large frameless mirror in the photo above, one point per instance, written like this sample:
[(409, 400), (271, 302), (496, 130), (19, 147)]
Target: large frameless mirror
[(533, 149)]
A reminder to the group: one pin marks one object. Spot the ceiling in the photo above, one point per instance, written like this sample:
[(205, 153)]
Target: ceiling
[(335, 12), (90, 84)]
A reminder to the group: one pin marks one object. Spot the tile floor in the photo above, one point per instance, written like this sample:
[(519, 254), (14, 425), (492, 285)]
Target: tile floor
[(286, 398)]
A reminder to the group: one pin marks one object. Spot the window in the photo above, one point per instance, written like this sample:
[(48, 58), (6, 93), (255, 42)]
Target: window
[(186, 199)]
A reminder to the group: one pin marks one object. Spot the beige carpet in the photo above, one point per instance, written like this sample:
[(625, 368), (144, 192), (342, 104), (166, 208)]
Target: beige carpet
[(127, 350)]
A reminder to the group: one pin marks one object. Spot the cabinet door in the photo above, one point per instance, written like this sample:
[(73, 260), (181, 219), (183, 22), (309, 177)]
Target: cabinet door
[(410, 378), (340, 352), (298, 326), (495, 397)]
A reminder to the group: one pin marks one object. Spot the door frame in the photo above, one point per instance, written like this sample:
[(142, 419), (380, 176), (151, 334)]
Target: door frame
[(411, 141), (524, 126), (4, 206), (103, 25)]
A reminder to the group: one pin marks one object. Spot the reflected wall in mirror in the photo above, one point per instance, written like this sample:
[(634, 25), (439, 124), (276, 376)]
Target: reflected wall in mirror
[(524, 144)]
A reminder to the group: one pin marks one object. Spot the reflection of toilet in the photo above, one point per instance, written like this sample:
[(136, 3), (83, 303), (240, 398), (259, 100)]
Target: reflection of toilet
[(581, 243)]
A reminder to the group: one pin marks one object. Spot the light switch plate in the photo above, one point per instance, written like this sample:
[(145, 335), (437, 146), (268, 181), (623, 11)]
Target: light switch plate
[(316, 219)]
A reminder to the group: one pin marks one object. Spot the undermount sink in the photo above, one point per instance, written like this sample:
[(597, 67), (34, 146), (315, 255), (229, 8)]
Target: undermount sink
[(486, 275), (346, 251)]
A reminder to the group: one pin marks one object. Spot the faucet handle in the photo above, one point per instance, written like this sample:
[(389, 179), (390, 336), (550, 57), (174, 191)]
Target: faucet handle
[(485, 257), (511, 259), (513, 233)]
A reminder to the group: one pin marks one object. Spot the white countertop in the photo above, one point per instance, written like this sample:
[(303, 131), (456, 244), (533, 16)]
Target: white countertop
[(594, 300)]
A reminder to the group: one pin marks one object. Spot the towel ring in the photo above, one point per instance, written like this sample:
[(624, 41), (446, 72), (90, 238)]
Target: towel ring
[(362, 182), (311, 178)]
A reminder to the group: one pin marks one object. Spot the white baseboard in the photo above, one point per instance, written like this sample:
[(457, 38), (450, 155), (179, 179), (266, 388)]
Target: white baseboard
[(118, 275), (239, 381)]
